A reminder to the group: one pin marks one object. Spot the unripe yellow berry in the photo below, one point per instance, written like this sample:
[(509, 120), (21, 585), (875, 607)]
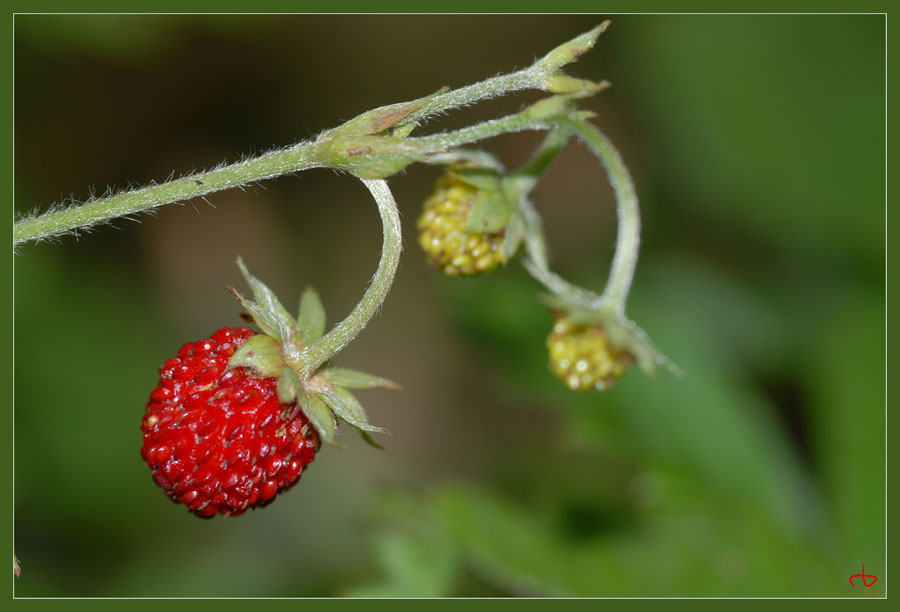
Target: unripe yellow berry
[(443, 236), (581, 356)]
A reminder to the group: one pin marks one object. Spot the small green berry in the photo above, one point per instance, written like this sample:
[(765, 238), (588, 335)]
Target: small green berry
[(581, 356), (442, 231)]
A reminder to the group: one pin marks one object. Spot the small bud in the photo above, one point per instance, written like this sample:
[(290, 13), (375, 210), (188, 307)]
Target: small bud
[(564, 84), (553, 106), (570, 51)]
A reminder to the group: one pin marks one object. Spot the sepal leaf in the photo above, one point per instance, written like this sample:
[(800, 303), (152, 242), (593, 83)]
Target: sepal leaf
[(319, 415), (311, 318), (535, 242), (571, 50), (288, 386), (261, 354), (369, 439), (490, 212), (271, 317), (354, 379), (479, 177), (514, 236), (348, 409)]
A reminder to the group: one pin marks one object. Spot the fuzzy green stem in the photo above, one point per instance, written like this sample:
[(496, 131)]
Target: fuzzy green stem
[(301, 156), (542, 74), (557, 285), (329, 345), (473, 156), (628, 238), (481, 131)]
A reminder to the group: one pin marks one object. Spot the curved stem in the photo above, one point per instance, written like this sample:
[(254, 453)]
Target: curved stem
[(628, 239), (313, 356), (301, 156), (557, 285)]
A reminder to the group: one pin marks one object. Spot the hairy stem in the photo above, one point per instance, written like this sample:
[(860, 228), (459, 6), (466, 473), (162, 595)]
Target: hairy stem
[(557, 285), (301, 156), (628, 238), (542, 74), (481, 131), (313, 356)]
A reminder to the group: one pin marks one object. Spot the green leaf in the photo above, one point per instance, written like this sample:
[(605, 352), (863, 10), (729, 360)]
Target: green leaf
[(490, 212), (846, 386), (268, 312), (319, 415), (288, 386), (515, 234), (412, 566), (311, 317), (354, 379), (262, 354), (348, 409)]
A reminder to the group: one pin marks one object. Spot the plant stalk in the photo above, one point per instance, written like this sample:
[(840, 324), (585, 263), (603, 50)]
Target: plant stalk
[(312, 357)]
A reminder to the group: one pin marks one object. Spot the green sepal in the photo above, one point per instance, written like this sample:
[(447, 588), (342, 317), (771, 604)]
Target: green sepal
[(373, 156), (571, 50), (288, 386), (622, 333), (402, 130), (319, 415), (311, 316), (490, 212), (369, 440), (564, 84), (554, 106), (514, 236), (348, 409), (384, 118), (535, 243), (373, 145), (479, 177), (262, 354), (354, 379), (271, 317)]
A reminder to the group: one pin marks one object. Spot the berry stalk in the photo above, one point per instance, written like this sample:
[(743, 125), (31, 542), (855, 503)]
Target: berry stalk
[(301, 156), (313, 356), (628, 238)]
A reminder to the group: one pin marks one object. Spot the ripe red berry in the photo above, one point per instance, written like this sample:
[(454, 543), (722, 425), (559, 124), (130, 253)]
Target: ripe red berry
[(219, 440)]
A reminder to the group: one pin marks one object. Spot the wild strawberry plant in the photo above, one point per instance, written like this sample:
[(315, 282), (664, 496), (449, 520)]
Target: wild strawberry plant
[(236, 418)]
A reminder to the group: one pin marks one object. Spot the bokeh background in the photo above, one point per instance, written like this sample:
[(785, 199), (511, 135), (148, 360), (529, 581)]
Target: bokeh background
[(757, 145)]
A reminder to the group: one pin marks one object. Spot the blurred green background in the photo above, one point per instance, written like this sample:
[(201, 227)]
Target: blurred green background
[(757, 146)]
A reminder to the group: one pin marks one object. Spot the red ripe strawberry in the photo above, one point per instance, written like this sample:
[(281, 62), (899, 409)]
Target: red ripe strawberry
[(218, 439), (236, 418)]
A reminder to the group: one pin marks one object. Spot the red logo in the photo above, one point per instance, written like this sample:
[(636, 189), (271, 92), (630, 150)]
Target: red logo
[(864, 575)]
